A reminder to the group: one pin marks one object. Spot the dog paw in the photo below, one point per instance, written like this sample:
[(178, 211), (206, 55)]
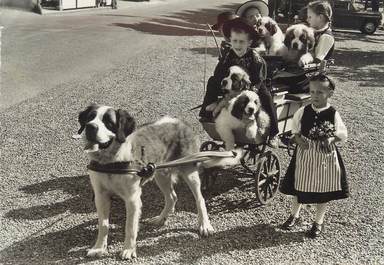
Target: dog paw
[(157, 220), (96, 252), (206, 229), (128, 253)]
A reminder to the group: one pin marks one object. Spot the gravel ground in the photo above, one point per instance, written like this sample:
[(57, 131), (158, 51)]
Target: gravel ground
[(48, 216)]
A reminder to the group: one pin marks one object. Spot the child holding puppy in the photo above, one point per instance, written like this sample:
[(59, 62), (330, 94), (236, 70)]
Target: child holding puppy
[(319, 16), (316, 173), (241, 34)]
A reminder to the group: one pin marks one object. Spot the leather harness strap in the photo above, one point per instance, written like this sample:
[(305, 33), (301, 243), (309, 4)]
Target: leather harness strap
[(147, 171)]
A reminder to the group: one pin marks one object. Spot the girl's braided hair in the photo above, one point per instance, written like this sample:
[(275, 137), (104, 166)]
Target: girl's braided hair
[(321, 7), (322, 77)]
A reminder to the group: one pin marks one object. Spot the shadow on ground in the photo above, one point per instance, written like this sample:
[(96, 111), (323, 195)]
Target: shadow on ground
[(80, 201), (364, 67), (69, 246), (61, 240), (186, 23)]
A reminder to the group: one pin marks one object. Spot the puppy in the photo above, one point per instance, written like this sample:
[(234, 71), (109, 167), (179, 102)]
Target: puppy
[(244, 112), (272, 38), (300, 41), (111, 139), (236, 81)]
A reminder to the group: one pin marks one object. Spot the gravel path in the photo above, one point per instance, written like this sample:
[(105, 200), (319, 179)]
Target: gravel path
[(46, 209)]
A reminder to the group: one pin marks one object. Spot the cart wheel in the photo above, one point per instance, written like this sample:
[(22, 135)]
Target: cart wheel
[(267, 177), (209, 175), (210, 146)]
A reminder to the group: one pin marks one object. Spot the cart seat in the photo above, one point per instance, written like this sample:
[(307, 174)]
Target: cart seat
[(298, 97)]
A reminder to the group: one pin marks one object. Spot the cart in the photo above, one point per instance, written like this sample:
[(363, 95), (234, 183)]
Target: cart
[(258, 161)]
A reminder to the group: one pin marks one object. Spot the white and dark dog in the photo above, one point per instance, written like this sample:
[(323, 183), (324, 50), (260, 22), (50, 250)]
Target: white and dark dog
[(244, 112), (300, 41), (237, 80), (111, 139), (272, 38)]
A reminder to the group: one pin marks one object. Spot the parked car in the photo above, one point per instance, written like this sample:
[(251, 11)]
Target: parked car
[(345, 15)]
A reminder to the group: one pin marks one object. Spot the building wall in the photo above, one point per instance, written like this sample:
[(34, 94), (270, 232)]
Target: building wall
[(24, 4)]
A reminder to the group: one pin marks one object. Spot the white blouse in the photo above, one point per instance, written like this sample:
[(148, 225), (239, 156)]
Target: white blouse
[(324, 44), (340, 128)]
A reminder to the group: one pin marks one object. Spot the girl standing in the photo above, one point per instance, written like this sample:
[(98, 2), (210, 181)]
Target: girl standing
[(316, 174)]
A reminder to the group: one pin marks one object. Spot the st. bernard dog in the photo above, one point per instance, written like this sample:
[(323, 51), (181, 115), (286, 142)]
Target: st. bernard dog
[(232, 84), (272, 38), (111, 138), (300, 41), (243, 112)]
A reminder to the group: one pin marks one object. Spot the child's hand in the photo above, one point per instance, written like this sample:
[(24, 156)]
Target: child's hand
[(326, 144), (302, 142), (305, 59)]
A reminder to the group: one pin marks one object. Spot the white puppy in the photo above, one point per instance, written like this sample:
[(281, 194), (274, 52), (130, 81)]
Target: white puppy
[(244, 112), (300, 41), (272, 38), (236, 81)]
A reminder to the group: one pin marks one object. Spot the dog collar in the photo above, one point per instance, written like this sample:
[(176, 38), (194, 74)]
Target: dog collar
[(123, 168)]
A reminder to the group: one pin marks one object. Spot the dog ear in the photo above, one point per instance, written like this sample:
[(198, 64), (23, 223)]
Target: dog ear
[(83, 117), (245, 83), (271, 27), (239, 106), (288, 38), (125, 125)]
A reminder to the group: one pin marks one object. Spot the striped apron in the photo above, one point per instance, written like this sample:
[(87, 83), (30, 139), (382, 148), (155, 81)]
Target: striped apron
[(316, 170)]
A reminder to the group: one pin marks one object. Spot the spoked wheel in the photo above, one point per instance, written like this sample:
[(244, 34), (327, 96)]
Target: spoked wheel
[(249, 161), (267, 177), (210, 174), (210, 146)]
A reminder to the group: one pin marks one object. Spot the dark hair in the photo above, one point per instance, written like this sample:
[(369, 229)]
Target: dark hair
[(320, 77), (321, 7)]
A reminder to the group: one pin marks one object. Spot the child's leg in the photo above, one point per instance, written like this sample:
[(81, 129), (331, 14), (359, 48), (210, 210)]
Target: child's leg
[(317, 226), (320, 212), (293, 219), (296, 207), (211, 95), (269, 107)]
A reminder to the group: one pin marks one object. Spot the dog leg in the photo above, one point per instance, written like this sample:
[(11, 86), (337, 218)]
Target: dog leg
[(251, 131), (229, 140), (166, 186), (263, 122), (133, 212), (103, 206), (192, 179)]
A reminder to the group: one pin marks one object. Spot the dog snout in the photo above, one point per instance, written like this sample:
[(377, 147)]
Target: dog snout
[(251, 111), (295, 46), (91, 131)]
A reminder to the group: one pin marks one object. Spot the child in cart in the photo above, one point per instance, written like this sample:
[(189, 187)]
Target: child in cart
[(241, 34), (225, 45), (318, 17), (316, 173)]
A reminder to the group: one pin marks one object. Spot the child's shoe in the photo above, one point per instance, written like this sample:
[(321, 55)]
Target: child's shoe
[(290, 223), (315, 231)]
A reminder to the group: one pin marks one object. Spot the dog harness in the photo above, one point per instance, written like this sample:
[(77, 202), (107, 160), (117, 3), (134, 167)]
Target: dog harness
[(147, 171)]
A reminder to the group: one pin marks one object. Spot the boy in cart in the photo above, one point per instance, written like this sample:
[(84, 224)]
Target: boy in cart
[(241, 34)]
